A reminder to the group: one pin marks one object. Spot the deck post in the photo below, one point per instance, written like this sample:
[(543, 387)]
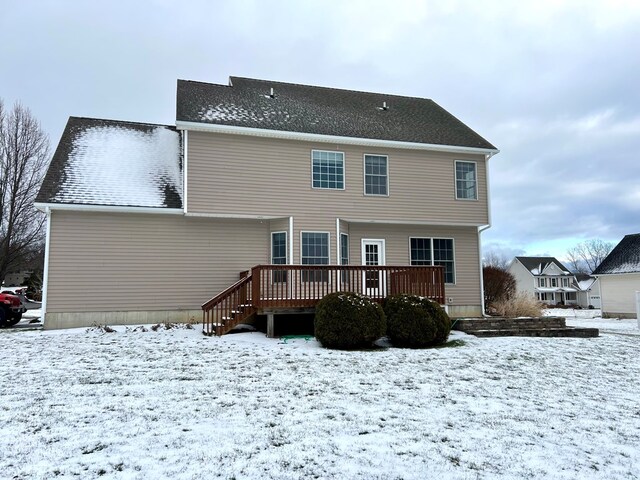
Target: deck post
[(270, 326)]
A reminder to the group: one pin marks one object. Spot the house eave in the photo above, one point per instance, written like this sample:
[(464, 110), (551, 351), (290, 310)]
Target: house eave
[(82, 207), (411, 222), (314, 137)]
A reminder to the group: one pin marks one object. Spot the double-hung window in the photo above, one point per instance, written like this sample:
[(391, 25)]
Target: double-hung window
[(279, 255), (542, 282), (327, 170), (376, 175), (434, 251), (344, 255), (315, 251), (466, 180)]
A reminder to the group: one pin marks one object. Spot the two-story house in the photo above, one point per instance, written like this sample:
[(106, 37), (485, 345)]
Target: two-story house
[(148, 222), (549, 281)]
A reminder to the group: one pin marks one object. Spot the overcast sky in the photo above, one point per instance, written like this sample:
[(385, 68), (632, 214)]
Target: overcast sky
[(554, 85)]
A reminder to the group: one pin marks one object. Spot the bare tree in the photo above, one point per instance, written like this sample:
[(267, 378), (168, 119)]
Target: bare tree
[(496, 259), (24, 154), (586, 256)]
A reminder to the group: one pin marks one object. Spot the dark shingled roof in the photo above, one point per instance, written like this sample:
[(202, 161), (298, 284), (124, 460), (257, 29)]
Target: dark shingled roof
[(326, 111), (624, 258), (94, 158), (532, 263)]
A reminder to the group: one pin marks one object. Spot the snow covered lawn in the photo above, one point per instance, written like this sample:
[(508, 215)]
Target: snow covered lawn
[(176, 404)]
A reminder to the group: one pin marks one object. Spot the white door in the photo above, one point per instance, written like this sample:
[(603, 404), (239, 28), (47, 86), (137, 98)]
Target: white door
[(373, 282)]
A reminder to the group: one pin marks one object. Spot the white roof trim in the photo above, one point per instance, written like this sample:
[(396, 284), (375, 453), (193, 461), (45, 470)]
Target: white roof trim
[(315, 137), (107, 208), (235, 215), (411, 222)]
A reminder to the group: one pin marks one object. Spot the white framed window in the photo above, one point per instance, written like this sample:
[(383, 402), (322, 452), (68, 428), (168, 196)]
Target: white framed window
[(344, 256), (327, 170), (565, 282), (376, 175), (279, 255), (314, 250), (434, 251), (466, 180), (554, 282), (542, 282), (344, 249)]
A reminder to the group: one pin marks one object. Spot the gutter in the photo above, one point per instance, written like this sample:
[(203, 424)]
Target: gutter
[(316, 137)]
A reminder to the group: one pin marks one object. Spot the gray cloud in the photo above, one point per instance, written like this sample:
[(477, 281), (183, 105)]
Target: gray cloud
[(552, 84)]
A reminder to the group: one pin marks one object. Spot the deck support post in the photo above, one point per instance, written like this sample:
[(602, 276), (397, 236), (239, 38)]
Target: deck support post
[(270, 326)]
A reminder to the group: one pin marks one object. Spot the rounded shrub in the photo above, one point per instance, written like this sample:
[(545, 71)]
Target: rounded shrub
[(416, 322), (347, 320)]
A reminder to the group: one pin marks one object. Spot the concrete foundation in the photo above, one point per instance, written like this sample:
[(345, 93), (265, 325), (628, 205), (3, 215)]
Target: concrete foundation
[(55, 320), (463, 311)]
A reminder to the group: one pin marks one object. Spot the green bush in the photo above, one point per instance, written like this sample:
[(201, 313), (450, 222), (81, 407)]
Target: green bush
[(416, 322), (347, 320)]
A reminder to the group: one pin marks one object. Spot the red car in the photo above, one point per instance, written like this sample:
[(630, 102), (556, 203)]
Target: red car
[(11, 310)]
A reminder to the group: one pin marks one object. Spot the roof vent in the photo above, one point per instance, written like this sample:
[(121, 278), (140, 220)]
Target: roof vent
[(271, 94), (384, 106)]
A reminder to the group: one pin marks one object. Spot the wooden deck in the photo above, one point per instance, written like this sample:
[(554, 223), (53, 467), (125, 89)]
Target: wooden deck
[(269, 288)]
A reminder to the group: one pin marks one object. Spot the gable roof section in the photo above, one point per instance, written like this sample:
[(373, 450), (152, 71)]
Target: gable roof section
[(308, 109), (624, 258), (115, 163), (537, 265)]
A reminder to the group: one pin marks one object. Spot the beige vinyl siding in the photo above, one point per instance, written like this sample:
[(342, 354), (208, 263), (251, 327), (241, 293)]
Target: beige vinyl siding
[(618, 294), (466, 290), (114, 261), (235, 174)]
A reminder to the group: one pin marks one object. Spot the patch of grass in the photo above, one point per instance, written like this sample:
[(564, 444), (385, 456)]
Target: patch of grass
[(452, 344)]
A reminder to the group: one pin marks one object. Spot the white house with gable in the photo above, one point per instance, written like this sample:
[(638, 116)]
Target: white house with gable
[(546, 279)]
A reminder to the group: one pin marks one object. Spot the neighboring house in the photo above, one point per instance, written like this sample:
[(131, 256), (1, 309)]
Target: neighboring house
[(253, 173), (588, 290), (15, 279), (546, 279), (619, 275)]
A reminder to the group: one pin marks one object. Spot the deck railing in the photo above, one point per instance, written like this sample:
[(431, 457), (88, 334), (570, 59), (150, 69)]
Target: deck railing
[(228, 308), (277, 286), (274, 287)]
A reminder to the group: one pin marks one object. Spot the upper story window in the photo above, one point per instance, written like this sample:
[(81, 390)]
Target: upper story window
[(327, 169), (376, 176), (466, 181), (542, 282), (434, 251), (565, 282), (554, 282)]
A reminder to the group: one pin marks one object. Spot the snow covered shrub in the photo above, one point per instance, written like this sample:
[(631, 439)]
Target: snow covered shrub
[(347, 320), (519, 305), (416, 322)]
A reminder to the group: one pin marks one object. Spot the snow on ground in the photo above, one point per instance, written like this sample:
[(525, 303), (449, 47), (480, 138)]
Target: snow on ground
[(176, 404), (591, 318)]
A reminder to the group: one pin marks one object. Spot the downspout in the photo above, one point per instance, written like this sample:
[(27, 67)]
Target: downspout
[(185, 168), (290, 253), (45, 280), (482, 229), (338, 246)]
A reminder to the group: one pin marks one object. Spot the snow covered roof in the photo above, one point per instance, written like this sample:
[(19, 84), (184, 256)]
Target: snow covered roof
[(248, 102), (107, 162), (584, 281), (537, 265), (624, 258)]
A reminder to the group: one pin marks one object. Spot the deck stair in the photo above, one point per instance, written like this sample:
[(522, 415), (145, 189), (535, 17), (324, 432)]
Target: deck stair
[(522, 327)]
